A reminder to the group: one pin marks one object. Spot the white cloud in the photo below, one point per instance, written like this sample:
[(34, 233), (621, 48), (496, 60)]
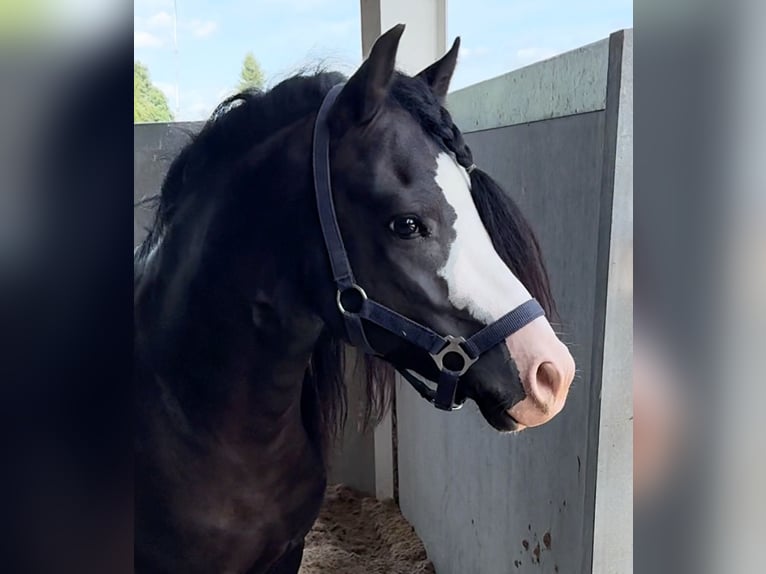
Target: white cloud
[(224, 93), (300, 5), (167, 88), (161, 20), (527, 56), (202, 28), (151, 4), (195, 107), (337, 27), (142, 39), (467, 52), (198, 104)]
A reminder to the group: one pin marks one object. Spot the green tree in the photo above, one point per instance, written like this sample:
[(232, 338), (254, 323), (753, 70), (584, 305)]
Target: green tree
[(251, 75), (149, 103)]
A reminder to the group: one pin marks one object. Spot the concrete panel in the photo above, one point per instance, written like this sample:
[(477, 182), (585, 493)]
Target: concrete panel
[(424, 40), (353, 461), (571, 83), (613, 514), (482, 502), (154, 147)]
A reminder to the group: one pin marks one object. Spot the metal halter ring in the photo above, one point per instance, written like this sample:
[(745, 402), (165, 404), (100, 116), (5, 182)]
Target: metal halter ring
[(454, 345), (339, 295)]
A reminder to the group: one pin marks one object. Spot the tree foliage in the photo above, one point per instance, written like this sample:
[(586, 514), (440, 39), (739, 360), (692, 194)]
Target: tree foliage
[(251, 75), (149, 103)]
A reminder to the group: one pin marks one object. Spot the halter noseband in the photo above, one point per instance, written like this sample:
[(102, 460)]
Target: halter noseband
[(453, 356)]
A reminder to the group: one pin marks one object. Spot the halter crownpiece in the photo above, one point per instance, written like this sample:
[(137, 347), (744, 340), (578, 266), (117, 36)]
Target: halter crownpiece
[(452, 356)]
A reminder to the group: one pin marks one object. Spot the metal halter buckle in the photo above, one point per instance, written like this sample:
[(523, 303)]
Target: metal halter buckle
[(454, 345), (339, 295)]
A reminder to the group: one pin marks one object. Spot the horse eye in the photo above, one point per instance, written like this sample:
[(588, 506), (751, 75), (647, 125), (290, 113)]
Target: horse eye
[(407, 227)]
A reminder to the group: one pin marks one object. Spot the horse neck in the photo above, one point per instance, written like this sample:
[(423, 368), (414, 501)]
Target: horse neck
[(230, 339)]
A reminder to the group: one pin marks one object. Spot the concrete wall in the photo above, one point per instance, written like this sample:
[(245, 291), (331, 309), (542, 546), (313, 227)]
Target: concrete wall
[(613, 520), (154, 147), (487, 503), (423, 42)]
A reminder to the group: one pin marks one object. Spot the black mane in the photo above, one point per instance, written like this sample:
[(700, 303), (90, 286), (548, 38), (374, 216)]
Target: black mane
[(237, 124), (246, 118)]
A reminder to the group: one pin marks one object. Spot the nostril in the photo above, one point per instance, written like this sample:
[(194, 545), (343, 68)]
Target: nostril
[(548, 377), (546, 386), (545, 395)]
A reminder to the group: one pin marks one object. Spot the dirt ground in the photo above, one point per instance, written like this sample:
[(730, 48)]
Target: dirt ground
[(356, 534)]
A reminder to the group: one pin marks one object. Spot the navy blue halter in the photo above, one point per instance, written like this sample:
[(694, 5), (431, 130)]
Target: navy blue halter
[(453, 356)]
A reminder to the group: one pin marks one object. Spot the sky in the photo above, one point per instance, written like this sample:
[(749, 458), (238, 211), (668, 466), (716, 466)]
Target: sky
[(213, 36)]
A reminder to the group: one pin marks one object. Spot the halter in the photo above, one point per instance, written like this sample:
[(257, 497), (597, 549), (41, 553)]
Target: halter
[(453, 356)]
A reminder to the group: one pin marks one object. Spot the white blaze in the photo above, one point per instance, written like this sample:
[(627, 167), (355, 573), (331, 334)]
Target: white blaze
[(477, 279)]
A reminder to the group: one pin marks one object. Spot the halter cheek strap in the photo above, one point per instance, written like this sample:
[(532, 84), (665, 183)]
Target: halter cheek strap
[(453, 356)]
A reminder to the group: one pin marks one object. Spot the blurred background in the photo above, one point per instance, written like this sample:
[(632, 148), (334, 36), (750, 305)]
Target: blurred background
[(65, 263)]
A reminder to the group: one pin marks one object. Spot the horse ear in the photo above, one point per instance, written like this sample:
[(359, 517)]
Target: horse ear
[(439, 74), (364, 93)]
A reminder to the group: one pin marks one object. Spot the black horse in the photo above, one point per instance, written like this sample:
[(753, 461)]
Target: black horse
[(238, 333)]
